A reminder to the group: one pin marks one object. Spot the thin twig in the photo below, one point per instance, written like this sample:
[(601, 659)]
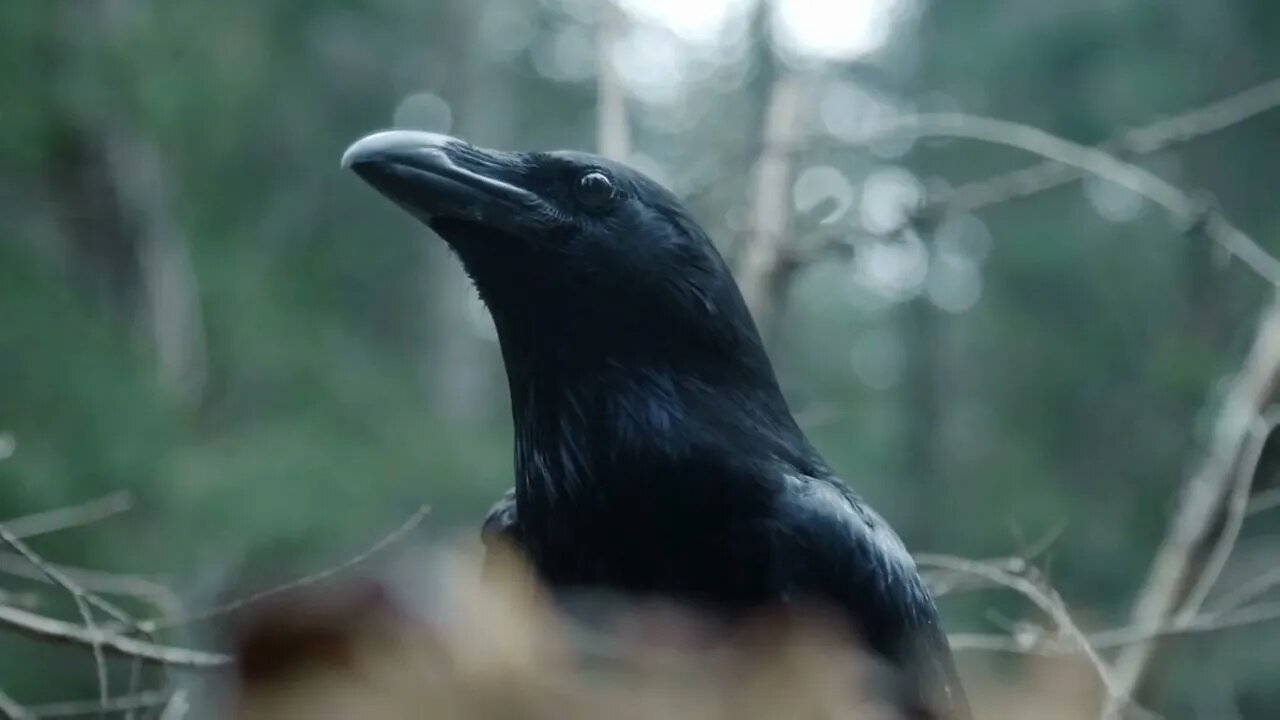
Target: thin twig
[(78, 595), (1202, 623), (1249, 590), (1193, 527), (177, 707), (1093, 161), (1264, 501), (64, 580), (97, 581), (1038, 592), (82, 708), (135, 686), (50, 629), (27, 600), (1237, 505), (73, 516), (237, 605), (1039, 643), (1154, 137)]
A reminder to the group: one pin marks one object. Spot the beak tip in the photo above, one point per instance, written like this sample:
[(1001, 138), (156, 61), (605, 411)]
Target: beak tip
[(370, 147)]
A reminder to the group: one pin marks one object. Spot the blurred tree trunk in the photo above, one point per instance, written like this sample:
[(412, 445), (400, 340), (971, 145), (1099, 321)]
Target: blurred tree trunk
[(458, 365), (115, 199), (613, 128), (171, 309)]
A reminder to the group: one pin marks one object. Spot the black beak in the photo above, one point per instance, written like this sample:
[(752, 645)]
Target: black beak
[(436, 176)]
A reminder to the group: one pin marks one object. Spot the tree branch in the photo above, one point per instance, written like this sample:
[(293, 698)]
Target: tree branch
[(82, 708), (72, 516), (50, 629), (11, 709), (237, 605), (1154, 137), (1093, 161), (81, 599), (1192, 529), (97, 581), (1237, 506)]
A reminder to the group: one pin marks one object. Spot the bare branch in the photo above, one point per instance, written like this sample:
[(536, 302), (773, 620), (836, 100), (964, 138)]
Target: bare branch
[(1264, 501), (72, 516), (1095, 162), (64, 580), (1237, 506), (20, 599), (1192, 528), (1202, 623), (1151, 138), (1249, 590), (97, 581), (1035, 641), (177, 707), (46, 628), (1027, 583), (82, 708), (237, 605), (78, 595), (11, 709)]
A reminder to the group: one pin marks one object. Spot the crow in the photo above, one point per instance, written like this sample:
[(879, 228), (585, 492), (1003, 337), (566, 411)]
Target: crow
[(654, 451)]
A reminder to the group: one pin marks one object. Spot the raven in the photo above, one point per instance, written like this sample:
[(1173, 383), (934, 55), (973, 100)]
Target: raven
[(654, 451)]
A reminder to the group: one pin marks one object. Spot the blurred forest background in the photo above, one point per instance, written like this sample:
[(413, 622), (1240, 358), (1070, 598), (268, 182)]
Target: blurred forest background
[(199, 307)]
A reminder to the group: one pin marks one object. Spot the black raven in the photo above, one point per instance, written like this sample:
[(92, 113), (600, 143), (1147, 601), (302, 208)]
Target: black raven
[(654, 451)]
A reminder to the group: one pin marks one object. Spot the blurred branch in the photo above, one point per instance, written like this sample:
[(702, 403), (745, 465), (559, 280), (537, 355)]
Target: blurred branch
[(11, 709), (1154, 137), (613, 129), (72, 516), (1201, 623), (177, 707), (20, 599), (1237, 506), (98, 581), (64, 580), (1035, 641), (1263, 501), (83, 708), (1089, 160), (1249, 590), (237, 605), (79, 596), (103, 641), (1024, 579), (172, 295), (50, 629), (762, 259), (1194, 527)]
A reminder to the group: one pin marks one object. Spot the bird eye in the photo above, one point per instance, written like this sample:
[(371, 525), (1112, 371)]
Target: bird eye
[(594, 189)]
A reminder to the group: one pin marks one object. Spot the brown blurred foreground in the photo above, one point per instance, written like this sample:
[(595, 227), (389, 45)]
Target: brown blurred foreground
[(496, 649)]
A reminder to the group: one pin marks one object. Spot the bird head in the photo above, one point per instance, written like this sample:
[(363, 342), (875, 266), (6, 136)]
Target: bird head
[(570, 251)]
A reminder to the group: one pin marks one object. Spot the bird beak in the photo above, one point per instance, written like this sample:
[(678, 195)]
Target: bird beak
[(436, 176)]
